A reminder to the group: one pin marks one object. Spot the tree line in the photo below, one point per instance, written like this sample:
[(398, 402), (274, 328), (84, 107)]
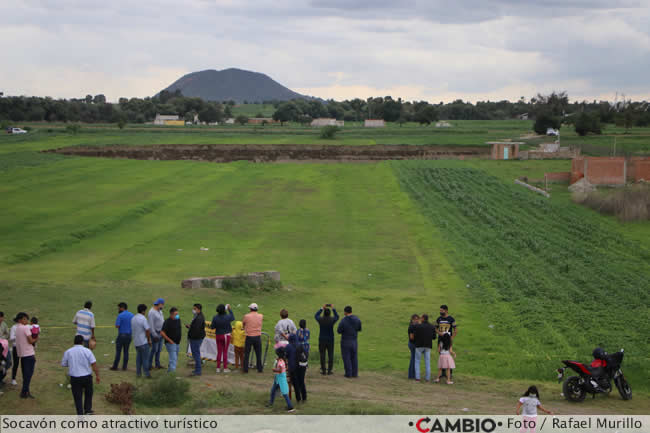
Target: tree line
[(551, 110)]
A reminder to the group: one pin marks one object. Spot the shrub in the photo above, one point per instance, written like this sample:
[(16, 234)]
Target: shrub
[(239, 282), (329, 131), (121, 123), (4, 124), (585, 124), (167, 391), (544, 121), (241, 119), (631, 203), (73, 128), (27, 128), (122, 395)]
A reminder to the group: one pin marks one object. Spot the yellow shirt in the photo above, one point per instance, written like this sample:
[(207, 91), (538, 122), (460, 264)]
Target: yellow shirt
[(238, 335)]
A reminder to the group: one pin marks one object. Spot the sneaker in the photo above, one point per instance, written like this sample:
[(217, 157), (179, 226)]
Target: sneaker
[(113, 368), (13, 382), (268, 405), (225, 370), (90, 412), (218, 370), (323, 372), (329, 373), (292, 410)]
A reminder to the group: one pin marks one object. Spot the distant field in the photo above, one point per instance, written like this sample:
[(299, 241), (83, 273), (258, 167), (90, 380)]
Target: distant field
[(252, 110)]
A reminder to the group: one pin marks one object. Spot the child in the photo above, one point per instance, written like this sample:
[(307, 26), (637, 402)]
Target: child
[(35, 329), (280, 380), (303, 335), (530, 402), (238, 341), (445, 361)]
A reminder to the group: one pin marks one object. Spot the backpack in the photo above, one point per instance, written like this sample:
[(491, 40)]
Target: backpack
[(302, 356)]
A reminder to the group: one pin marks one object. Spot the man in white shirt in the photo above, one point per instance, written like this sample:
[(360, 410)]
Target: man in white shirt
[(142, 341), (85, 321), (284, 328), (80, 361), (156, 321)]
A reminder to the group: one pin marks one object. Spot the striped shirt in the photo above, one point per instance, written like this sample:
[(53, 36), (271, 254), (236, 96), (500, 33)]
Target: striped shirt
[(85, 321)]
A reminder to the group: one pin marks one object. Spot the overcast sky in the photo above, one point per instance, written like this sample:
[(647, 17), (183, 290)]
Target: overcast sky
[(434, 50)]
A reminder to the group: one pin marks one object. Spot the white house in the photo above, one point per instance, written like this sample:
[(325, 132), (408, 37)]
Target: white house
[(443, 124), (324, 121), (374, 123), (162, 119)]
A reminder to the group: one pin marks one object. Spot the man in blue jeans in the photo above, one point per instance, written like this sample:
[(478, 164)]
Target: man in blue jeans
[(349, 327), (423, 336), (195, 335), (123, 340), (171, 333), (156, 320), (141, 341)]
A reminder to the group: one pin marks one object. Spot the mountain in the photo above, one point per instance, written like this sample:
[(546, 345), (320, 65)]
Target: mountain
[(232, 84)]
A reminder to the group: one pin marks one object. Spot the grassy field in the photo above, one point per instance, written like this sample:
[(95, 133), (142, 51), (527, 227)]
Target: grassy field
[(73, 229)]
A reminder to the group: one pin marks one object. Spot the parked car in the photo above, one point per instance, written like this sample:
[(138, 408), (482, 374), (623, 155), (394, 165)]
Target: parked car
[(552, 131), (16, 131)]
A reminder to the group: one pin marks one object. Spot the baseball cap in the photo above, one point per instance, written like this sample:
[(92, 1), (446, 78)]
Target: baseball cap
[(159, 301), (253, 306)]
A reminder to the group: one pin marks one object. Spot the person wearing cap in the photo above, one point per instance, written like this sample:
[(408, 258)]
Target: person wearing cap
[(253, 327), (81, 363), (156, 320), (85, 321)]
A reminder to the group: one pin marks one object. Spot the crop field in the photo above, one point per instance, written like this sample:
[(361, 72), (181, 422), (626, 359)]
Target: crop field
[(551, 275), (530, 281)]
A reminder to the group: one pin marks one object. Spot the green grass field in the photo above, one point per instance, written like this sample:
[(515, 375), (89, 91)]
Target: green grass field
[(73, 229)]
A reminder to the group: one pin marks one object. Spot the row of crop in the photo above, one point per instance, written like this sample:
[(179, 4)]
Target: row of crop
[(553, 267)]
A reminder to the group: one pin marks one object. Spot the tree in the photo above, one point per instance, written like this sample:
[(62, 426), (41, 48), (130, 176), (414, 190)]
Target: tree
[(210, 114), (99, 99), (89, 99), (426, 114), (586, 123), (241, 119), (286, 112), (328, 132), (544, 121)]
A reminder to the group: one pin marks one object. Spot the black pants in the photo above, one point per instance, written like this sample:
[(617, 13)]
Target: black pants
[(298, 380), (350, 360), (82, 392), (27, 365), (256, 343), (16, 364), (328, 346)]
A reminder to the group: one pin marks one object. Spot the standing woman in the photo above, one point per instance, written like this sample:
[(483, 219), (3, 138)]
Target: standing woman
[(14, 352), (221, 323), (415, 320)]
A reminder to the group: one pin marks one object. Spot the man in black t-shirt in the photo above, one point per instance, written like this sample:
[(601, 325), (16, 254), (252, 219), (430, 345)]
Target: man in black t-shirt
[(445, 324), (171, 334)]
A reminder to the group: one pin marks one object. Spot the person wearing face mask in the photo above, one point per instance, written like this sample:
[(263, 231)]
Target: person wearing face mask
[(196, 334), (171, 333)]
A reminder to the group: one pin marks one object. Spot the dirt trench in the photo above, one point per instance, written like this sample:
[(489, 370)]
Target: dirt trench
[(276, 153)]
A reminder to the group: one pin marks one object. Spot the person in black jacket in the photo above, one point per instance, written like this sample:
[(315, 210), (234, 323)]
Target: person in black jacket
[(349, 326), (326, 336), (221, 323), (195, 335)]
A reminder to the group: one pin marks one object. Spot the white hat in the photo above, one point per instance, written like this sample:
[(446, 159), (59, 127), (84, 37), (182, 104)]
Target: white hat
[(252, 306)]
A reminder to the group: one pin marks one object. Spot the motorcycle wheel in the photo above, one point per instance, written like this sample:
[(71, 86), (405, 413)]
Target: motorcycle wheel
[(572, 389), (623, 387)]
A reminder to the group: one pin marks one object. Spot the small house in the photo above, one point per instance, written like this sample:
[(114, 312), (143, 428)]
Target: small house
[(374, 123)]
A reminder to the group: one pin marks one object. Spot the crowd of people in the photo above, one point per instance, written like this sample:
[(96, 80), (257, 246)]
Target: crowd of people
[(150, 332)]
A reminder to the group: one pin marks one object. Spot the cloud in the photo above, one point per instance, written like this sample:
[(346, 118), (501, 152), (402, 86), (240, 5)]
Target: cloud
[(433, 50)]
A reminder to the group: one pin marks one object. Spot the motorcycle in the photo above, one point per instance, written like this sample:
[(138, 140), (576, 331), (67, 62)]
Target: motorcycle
[(595, 378)]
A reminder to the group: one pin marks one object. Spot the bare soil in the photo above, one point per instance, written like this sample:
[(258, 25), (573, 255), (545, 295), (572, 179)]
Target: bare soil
[(277, 153)]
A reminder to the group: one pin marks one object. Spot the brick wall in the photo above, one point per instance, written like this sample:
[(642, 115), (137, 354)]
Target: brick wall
[(610, 170), (639, 168)]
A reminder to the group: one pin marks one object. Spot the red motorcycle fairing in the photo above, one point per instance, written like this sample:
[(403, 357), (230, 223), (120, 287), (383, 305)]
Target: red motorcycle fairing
[(578, 366)]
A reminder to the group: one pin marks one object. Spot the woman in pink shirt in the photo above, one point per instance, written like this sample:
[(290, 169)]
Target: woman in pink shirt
[(26, 353)]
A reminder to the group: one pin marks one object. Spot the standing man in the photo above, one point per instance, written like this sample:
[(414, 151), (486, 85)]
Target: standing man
[(156, 320), (423, 336), (253, 327), (284, 328), (195, 335), (141, 341), (326, 336), (349, 327), (171, 333), (25, 349), (445, 324), (123, 340), (85, 321), (80, 361)]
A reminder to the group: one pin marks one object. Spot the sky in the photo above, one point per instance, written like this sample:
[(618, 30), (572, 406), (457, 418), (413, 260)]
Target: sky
[(432, 50)]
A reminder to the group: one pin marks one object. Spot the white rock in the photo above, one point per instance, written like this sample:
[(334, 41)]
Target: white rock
[(465, 409), (61, 385), (69, 386), (491, 326)]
